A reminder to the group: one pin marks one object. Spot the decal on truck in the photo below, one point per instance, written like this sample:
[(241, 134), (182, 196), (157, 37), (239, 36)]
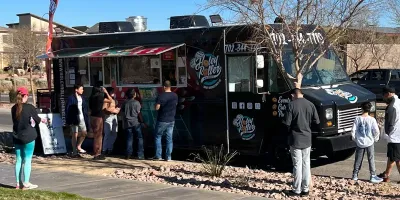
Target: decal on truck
[(207, 68), (245, 126), (346, 95)]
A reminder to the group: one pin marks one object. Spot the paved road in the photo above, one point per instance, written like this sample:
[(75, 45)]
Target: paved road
[(110, 188)]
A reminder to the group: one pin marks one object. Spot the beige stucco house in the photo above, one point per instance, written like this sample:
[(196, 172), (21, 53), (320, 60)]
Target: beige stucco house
[(34, 23)]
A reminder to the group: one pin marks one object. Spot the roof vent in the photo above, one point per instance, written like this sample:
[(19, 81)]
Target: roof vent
[(188, 21)]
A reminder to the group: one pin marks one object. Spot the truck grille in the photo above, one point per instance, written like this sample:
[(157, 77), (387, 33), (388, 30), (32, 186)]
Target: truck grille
[(346, 118)]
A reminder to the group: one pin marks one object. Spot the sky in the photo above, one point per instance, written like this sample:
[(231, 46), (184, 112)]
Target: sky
[(89, 12)]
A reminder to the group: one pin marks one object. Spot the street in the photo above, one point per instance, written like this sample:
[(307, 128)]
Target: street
[(322, 166)]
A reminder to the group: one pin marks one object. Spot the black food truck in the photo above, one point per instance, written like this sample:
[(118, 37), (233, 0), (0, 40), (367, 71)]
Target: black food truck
[(230, 92)]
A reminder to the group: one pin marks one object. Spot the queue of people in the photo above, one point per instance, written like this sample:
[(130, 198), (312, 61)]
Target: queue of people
[(104, 111)]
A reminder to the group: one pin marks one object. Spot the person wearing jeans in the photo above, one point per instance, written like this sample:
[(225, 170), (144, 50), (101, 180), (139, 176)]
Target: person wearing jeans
[(166, 106), (365, 133), (110, 123), (132, 118), (299, 116), (25, 118)]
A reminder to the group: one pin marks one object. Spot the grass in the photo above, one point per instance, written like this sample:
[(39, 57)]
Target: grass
[(8, 194)]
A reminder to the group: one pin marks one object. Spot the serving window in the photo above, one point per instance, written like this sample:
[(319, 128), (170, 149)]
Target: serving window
[(131, 66)]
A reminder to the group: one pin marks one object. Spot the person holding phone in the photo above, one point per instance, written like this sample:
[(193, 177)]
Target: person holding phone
[(25, 118)]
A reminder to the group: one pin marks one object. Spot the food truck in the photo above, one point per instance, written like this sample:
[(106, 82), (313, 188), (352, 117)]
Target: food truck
[(230, 90)]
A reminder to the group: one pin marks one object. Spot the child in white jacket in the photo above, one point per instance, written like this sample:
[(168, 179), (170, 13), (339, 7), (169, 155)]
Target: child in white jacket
[(365, 133)]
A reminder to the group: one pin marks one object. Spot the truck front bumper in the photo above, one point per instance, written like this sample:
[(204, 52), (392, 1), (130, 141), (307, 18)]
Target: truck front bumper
[(329, 144)]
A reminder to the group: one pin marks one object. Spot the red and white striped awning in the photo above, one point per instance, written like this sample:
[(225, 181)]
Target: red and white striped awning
[(135, 51)]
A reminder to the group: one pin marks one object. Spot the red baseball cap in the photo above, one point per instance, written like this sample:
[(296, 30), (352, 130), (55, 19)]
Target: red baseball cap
[(23, 91)]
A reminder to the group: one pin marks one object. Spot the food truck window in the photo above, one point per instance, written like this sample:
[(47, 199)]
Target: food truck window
[(83, 71), (169, 71), (139, 70), (276, 82), (110, 67), (96, 70), (181, 66), (241, 73)]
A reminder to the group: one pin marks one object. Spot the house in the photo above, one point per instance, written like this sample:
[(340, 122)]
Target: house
[(36, 24)]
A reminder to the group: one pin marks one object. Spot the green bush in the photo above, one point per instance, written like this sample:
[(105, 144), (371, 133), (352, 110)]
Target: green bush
[(215, 160), (13, 96)]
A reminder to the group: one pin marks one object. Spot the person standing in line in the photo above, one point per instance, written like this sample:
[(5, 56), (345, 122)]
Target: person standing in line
[(96, 105), (132, 123), (78, 119), (365, 132), (166, 106), (110, 123), (25, 118), (392, 131), (299, 117)]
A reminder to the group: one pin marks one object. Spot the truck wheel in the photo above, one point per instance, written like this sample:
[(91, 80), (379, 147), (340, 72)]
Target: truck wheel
[(341, 155), (281, 159)]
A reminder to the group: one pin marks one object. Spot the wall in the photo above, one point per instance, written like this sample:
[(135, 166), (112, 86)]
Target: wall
[(372, 57), (4, 52)]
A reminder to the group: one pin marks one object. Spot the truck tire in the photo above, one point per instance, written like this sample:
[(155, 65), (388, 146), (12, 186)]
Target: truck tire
[(281, 159), (341, 155)]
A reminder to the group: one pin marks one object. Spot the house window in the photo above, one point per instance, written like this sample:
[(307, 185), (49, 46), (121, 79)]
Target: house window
[(7, 39)]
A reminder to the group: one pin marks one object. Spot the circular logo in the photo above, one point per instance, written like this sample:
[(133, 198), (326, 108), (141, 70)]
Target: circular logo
[(274, 113), (274, 100), (274, 107)]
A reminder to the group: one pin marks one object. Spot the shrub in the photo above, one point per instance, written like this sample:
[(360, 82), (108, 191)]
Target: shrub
[(215, 160), (13, 96)]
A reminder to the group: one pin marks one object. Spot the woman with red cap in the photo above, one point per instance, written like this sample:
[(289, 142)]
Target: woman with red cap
[(25, 118)]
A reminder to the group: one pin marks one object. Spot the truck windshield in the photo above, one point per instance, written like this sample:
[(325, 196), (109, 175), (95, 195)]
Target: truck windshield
[(327, 70)]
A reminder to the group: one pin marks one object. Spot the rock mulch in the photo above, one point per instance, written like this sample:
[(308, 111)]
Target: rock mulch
[(259, 183)]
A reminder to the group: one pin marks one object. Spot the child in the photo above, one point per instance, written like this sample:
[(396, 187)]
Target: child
[(365, 133)]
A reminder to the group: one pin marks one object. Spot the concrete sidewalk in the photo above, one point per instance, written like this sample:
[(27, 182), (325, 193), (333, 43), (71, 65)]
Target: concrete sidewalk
[(101, 187)]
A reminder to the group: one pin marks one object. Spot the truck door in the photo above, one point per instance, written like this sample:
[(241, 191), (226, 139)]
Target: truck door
[(395, 80), (245, 109), (378, 80)]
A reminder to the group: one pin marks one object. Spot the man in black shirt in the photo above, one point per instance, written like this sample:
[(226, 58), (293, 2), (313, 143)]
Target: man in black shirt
[(300, 115), (166, 107)]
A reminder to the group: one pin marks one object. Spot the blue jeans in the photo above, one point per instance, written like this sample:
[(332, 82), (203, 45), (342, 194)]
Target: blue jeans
[(162, 128), (130, 133)]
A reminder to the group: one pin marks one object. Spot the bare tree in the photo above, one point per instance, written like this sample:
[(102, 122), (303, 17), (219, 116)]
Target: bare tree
[(334, 16), (366, 48), (29, 44), (393, 6)]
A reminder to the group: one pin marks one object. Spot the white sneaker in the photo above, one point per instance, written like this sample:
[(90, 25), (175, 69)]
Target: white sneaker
[(29, 186)]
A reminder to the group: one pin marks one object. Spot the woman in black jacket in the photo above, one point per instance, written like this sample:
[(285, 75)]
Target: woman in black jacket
[(25, 118)]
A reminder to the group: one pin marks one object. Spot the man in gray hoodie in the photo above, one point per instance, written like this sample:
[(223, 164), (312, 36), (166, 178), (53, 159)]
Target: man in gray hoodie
[(392, 131)]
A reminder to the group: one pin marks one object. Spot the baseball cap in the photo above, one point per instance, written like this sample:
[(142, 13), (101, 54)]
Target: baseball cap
[(23, 91), (388, 89)]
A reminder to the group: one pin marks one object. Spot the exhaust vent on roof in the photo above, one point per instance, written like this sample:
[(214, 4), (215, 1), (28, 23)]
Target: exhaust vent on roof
[(112, 27), (188, 21)]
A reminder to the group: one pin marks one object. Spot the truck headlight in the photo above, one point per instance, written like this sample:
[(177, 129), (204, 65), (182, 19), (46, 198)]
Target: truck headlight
[(329, 113), (373, 107)]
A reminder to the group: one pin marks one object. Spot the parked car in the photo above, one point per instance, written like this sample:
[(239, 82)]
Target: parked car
[(8, 68), (36, 68), (375, 79)]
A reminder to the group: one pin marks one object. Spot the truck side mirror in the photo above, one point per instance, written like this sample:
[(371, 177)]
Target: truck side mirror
[(260, 61), (260, 83)]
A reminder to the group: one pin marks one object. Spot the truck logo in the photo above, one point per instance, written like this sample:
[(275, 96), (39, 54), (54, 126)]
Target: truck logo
[(207, 68), (245, 126), (346, 95)]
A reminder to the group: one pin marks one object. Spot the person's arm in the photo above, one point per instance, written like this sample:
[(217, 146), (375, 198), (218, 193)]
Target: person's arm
[(391, 121), (109, 98), (354, 129), (315, 115), (35, 115), (287, 120), (375, 130), (158, 103)]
